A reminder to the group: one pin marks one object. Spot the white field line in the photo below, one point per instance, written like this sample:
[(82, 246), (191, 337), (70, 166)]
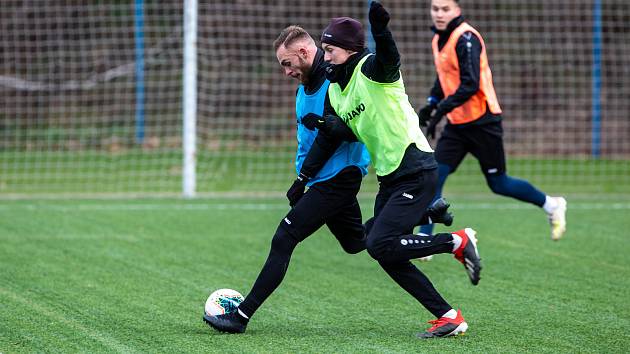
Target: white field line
[(273, 206)]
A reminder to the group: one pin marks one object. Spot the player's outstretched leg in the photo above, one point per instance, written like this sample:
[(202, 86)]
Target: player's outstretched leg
[(557, 218), (465, 251), (231, 323), (446, 326), (555, 207)]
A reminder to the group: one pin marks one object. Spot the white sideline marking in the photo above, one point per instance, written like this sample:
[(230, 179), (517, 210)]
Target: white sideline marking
[(145, 207), (574, 205), (276, 206)]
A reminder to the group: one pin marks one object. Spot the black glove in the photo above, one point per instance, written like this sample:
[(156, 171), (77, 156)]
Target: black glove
[(379, 17), (436, 117), (326, 124), (296, 191), (334, 72), (313, 121), (424, 114)]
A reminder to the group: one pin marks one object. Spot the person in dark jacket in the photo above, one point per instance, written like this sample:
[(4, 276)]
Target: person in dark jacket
[(366, 101), (464, 93)]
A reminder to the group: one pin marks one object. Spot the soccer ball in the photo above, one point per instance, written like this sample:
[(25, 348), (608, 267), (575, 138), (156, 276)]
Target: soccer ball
[(223, 301)]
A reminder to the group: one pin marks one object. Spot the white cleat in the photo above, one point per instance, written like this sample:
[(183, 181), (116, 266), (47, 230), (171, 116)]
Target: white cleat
[(558, 220)]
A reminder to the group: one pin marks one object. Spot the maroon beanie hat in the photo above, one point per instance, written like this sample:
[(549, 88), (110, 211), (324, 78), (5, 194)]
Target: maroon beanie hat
[(346, 33)]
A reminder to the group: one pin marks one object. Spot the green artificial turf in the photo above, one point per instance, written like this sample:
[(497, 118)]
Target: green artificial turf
[(133, 275)]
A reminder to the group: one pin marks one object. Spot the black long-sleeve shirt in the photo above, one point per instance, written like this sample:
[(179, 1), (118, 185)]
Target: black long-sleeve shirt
[(317, 75), (468, 49), (382, 67)]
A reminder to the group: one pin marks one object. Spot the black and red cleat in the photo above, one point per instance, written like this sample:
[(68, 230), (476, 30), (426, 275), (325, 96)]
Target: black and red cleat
[(468, 255), (446, 327)]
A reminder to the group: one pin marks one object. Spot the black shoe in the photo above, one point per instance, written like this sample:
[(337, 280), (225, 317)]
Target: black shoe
[(230, 323), (438, 212)]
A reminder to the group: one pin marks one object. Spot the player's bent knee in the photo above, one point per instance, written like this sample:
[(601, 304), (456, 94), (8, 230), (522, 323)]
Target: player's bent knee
[(354, 247), (353, 241), (353, 250), (376, 248)]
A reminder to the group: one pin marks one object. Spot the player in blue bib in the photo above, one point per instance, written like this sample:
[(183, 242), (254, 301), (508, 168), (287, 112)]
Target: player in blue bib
[(331, 198)]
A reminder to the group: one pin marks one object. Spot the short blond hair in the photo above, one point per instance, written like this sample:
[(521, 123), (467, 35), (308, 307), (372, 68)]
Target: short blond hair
[(291, 35)]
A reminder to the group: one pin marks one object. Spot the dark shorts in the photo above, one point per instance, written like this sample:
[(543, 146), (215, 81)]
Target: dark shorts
[(484, 142), (332, 203)]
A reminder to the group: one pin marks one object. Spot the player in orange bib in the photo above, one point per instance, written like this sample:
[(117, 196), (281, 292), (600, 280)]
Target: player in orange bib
[(465, 94)]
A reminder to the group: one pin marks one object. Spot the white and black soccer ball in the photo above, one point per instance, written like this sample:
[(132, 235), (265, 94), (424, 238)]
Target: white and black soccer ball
[(223, 301)]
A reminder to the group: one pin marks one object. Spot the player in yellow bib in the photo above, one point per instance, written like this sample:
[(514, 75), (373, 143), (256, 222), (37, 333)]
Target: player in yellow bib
[(367, 102)]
